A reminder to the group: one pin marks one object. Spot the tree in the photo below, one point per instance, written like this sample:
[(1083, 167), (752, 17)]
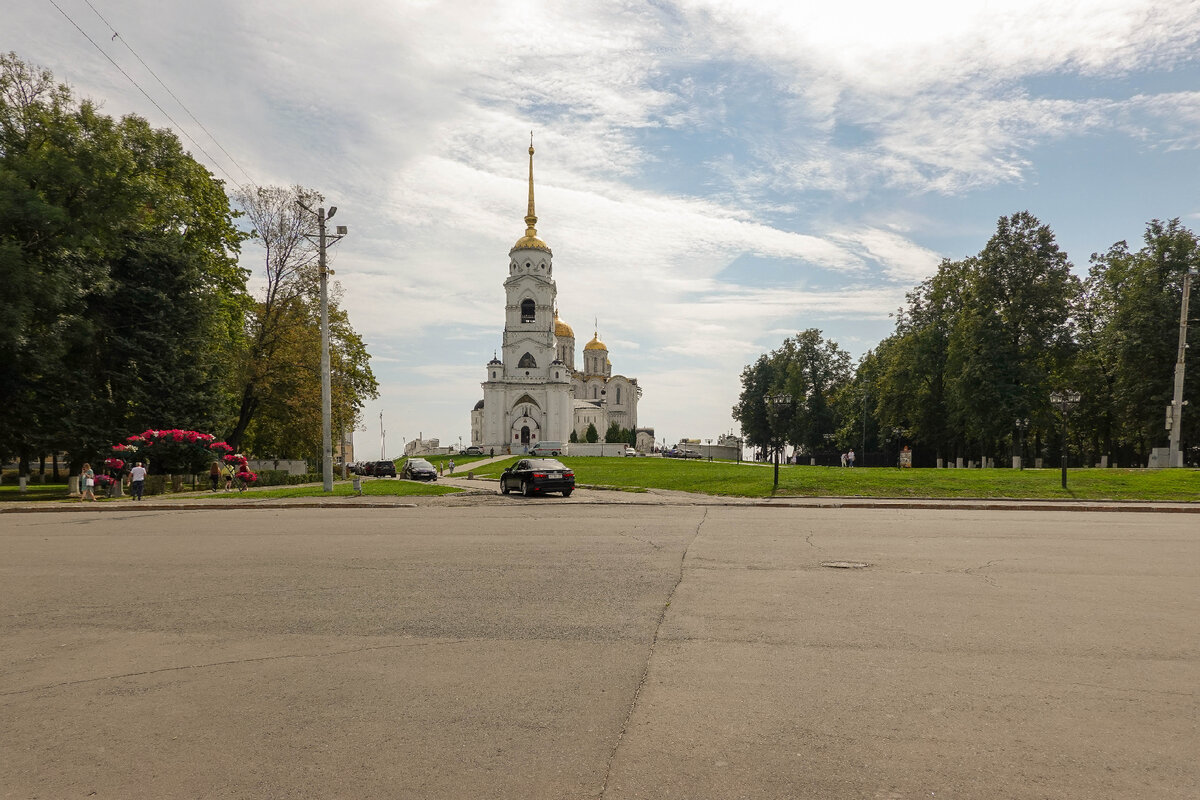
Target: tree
[(613, 434), (811, 370), (118, 268), (1128, 325), (279, 409), (591, 435), (573, 438)]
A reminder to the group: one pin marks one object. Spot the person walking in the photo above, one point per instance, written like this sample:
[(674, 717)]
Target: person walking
[(137, 480), (214, 474), (451, 465), (850, 458), (227, 474), (87, 483)]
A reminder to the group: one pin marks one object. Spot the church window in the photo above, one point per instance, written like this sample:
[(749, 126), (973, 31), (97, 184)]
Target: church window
[(527, 362), (618, 395), (528, 310), (594, 395)]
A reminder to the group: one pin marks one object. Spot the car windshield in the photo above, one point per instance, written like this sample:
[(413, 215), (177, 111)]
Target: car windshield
[(419, 463), (545, 463)]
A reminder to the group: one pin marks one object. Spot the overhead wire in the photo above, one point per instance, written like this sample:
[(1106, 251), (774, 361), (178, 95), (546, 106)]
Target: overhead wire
[(154, 102), (188, 111)]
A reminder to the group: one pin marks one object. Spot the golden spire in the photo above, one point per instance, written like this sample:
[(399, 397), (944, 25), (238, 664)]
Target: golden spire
[(530, 241), (530, 216)]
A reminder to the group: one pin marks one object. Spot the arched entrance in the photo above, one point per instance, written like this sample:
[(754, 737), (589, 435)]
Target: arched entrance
[(524, 433)]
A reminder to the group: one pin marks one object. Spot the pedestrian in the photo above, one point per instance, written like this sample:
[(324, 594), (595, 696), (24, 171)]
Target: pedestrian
[(451, 465), (214, 474), (850, 458), (491, 452), (227, 473), (137, 480), (843, 459), (87, 483)]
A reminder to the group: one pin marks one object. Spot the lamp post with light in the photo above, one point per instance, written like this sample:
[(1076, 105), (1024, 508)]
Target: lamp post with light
[(1065, 402), (326, 388), (1021, 425), (775, 404)]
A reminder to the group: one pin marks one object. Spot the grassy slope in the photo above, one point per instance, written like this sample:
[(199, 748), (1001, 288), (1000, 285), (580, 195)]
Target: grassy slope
[(754, 480)]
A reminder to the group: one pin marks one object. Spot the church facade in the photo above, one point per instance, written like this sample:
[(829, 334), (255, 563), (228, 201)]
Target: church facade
[(532, 389)]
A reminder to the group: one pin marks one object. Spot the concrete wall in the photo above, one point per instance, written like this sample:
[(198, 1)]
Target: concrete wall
[(597, 449), (292, 467)]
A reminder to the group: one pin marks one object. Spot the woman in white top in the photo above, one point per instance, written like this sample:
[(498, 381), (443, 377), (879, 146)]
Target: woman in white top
[(87, 483)]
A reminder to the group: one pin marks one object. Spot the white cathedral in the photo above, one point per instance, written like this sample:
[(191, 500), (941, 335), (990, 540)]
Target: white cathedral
[(534, 392)]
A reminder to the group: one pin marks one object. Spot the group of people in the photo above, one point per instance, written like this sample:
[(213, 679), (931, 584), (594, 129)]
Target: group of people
[(218, 472), (87, 482), (848, 459)]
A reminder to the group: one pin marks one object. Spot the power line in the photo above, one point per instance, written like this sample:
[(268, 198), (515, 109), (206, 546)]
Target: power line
[(117, 35), (179, 127)]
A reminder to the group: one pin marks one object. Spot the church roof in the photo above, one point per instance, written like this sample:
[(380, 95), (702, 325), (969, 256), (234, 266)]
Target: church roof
[(479, 405), (561, 329), (596, 344)]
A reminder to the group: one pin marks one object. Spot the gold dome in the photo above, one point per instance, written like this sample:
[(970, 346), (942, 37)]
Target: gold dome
[(596, 344), (561, 329), (528, 242)]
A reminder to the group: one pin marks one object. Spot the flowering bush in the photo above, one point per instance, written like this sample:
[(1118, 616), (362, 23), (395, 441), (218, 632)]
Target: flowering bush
[(105, 481), (171, 451), (247, 476)]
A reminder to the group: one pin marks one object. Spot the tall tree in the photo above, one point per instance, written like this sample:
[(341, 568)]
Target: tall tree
[(275, 375), (118, 255)]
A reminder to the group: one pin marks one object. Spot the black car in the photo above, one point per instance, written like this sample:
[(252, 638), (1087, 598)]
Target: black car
[(384, 469), (418, 469), (537, 476)]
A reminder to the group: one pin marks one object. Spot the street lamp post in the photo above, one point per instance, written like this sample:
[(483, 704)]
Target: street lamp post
[(1064, 402), (326, 388), (1175, 454), (1022, 425), (775, 403)]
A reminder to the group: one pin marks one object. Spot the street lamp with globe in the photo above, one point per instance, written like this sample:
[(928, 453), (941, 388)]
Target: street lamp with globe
[(1065, 401)]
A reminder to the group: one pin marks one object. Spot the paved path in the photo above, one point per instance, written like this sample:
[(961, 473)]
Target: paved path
[(550, 649)]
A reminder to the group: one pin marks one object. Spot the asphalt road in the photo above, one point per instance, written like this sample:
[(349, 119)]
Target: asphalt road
[(538, 649)]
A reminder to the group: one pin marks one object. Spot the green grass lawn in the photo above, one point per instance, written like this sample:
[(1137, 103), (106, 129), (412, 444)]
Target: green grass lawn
[(35, 492), (754, 480)]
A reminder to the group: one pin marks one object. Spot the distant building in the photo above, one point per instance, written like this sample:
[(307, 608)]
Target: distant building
[(532, 391)]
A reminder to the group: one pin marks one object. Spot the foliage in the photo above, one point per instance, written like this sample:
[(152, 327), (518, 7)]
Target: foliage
[(118, 271), (615, 433), (573, 438), (279, 412), (808, 369), (591, 435)]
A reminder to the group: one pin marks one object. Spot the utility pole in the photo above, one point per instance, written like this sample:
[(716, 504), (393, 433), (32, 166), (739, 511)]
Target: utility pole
[(326, 387), (1175, 454), (382, 439)]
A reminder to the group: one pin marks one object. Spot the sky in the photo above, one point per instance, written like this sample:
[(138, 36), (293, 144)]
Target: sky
[(712, 176)]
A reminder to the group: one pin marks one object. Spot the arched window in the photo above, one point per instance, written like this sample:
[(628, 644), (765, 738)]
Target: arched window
[(618, 395), (594, 395), (527, 361), (528, 310)]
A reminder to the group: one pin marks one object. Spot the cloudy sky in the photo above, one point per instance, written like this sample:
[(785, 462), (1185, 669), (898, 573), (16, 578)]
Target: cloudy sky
[(712, 176)]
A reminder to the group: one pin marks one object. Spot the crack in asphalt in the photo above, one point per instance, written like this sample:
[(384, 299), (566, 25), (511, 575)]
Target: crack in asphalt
[(232, 662), (612, 757)]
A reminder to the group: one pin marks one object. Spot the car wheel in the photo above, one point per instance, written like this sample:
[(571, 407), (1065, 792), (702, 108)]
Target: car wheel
[(503, 487), (567, 492), (526, 489)]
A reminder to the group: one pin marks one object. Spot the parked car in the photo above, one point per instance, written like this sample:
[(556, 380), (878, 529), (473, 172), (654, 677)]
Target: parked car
[(630, 452), (418, 469), (384, 469), (473, 450), (547, 449), (365, 467), (685, 453), (533, 476)]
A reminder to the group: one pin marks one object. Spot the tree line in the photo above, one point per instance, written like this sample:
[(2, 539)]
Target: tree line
[(979, 347), (123, 305)]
